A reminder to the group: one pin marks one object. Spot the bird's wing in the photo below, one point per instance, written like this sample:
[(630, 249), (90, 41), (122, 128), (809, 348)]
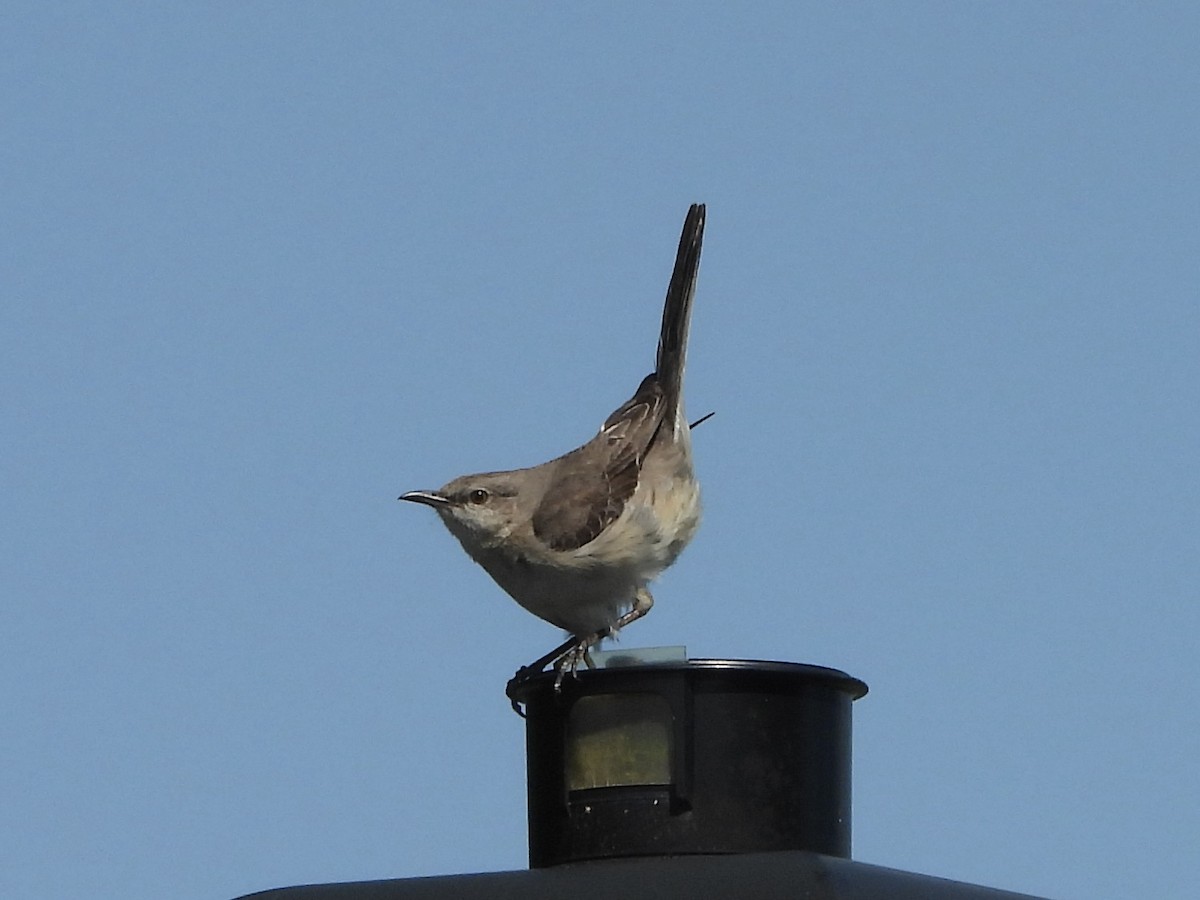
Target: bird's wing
[(593, 483)]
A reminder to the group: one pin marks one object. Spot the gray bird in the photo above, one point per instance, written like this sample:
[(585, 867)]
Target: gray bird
[(576, 540)]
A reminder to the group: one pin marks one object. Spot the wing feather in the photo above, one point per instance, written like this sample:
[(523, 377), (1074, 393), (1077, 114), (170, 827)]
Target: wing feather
[(595, 482)]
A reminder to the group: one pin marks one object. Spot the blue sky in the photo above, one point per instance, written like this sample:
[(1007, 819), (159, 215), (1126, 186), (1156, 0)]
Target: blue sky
[(265, 266)]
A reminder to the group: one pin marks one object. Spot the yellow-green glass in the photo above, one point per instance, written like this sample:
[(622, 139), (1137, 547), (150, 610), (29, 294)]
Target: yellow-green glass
[(618, 739)]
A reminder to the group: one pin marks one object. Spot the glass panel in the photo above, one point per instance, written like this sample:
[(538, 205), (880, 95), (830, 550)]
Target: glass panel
[(618, 739)]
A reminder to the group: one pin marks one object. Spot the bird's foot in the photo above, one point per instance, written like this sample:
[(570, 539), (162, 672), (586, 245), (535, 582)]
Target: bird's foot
[(565, 658), (569, 661)]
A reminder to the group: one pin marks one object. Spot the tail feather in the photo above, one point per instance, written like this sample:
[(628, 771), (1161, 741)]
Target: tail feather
[(677, 311)]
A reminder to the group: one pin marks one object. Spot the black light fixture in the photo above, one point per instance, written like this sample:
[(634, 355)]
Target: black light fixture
[(698, 756)]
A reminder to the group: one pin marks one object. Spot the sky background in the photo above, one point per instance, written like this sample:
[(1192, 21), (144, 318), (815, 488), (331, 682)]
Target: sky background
[(264, 266)]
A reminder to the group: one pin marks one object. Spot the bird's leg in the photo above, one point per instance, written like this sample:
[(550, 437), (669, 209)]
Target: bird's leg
[(567, 656), (569, 661), (642, 601)]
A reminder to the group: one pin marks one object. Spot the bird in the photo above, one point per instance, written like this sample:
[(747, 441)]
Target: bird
[(577, 540)]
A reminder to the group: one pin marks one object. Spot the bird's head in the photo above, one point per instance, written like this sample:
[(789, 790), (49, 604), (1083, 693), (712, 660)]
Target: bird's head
[(480, 510)]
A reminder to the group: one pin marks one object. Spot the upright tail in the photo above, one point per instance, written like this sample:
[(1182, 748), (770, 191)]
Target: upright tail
[(677, 312)]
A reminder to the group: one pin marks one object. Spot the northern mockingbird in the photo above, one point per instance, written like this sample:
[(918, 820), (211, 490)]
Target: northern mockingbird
[(577, 539)]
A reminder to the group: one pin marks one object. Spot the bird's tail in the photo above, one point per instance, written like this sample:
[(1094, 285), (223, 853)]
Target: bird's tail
[(677, 312)]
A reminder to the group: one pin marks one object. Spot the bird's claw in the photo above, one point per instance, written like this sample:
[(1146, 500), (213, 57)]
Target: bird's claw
[(569, 661), (565, 658)]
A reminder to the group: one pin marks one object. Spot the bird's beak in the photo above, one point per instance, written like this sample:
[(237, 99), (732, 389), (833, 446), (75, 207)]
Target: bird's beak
[(429, 498)]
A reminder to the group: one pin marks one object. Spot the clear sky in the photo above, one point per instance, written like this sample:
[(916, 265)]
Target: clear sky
[(264, 266)]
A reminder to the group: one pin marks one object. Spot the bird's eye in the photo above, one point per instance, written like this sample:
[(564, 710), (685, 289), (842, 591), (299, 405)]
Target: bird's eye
[(478, 496)]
